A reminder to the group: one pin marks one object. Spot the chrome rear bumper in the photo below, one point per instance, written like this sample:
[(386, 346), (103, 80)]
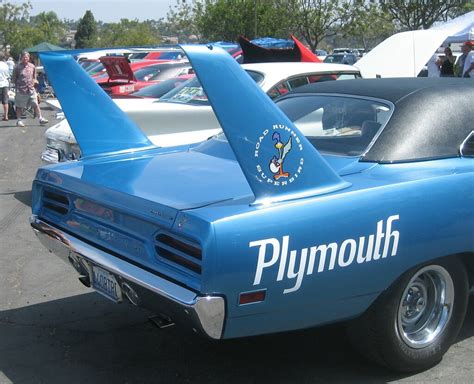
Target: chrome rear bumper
[(203, 313)]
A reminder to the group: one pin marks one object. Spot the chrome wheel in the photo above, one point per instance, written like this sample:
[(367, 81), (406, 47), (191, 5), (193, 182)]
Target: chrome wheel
[(426, 306)]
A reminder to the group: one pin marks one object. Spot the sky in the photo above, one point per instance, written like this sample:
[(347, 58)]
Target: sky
[(103, 10)]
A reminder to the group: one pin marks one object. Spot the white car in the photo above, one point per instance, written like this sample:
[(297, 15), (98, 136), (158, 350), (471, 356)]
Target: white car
[(184, 116)]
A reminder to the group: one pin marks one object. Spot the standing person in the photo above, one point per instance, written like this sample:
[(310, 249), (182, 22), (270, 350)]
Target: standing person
[(433, 66), (464, 62), (468, 67), (24, 77), (4, 84), (11, 65), (447, 65)]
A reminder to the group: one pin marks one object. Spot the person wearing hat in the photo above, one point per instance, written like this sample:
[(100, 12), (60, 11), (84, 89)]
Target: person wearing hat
[(465, 62)]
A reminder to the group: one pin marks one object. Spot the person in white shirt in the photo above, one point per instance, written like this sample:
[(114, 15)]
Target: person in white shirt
[(11, 65), (433, 66), (4, 84), (468, 67)]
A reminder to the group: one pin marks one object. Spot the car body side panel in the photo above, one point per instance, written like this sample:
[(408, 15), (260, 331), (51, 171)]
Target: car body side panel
[(427, 229)]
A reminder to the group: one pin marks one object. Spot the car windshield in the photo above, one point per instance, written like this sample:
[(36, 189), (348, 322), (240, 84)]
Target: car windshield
[(86, 64), (191, 91), (172, 55), (334, 59), (340, 125), (159, 89), (137, 55)]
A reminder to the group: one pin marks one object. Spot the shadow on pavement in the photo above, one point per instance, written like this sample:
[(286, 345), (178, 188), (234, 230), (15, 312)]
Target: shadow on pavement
[(85, 338), (23, 197)]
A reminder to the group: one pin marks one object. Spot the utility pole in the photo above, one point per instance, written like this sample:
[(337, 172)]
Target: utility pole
[(255, 18)]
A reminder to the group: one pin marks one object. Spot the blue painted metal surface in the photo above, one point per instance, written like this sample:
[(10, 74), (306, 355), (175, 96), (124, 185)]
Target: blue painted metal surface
[(432, 215)]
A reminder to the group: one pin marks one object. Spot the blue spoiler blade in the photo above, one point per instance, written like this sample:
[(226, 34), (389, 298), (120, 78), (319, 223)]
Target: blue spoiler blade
[(279, 163), (97, 123)]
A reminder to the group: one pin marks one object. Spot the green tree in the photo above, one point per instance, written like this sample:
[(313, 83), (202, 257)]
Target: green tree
[(227, 19), (315, 20), (181, 19), (422, 14), (86, 35), (129, 32), (14, 28), (368, 24), (49, 27)]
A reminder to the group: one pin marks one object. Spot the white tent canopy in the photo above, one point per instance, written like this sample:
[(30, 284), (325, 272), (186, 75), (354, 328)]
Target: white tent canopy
[(464, 26), (465, 35), (405, 54)]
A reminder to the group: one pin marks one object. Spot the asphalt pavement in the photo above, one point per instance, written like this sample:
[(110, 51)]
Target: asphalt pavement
[(54, 330)]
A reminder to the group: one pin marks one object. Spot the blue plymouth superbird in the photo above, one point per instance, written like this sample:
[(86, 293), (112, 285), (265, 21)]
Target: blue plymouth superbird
[(367, 217)]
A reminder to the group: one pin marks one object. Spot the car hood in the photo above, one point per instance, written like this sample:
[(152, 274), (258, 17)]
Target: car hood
[(118, 68), (60, 132)]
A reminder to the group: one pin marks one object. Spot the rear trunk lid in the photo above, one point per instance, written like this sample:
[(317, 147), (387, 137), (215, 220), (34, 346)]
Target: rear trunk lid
[(168, 177), (118, 68)]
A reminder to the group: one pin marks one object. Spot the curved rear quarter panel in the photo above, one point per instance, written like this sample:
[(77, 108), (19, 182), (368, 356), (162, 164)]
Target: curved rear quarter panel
[(372, 233)]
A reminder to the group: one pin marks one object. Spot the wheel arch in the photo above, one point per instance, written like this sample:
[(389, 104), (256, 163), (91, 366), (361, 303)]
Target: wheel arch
[(467, 259)]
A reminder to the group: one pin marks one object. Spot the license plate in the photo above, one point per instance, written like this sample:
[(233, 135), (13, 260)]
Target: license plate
[(106, 284)]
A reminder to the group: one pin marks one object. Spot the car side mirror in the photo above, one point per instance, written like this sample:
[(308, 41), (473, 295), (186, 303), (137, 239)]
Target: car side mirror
[(467, 147)]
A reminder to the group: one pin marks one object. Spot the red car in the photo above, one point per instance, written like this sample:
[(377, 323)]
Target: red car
[(124, 77), (114, 61)]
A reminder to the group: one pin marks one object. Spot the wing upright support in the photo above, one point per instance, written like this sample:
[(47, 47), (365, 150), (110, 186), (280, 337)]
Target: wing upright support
[(258, 130)]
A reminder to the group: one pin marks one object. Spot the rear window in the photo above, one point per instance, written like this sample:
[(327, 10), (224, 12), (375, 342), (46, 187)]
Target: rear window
[(286, 86), (337, 124), (191, 92)]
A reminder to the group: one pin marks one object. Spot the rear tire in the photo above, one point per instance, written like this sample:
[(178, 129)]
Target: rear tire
[(414, 322)]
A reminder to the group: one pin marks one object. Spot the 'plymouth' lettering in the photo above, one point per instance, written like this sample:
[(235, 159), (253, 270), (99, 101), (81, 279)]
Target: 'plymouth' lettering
[(329, 256)]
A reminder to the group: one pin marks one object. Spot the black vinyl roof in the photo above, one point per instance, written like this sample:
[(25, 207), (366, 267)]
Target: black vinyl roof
[(431, 118)]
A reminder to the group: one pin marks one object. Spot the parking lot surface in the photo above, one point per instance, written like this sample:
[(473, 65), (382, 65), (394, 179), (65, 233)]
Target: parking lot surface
[(54, 330)]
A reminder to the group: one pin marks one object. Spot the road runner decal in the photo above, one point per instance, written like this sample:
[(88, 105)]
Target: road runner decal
[(325, 257), (284, 140)]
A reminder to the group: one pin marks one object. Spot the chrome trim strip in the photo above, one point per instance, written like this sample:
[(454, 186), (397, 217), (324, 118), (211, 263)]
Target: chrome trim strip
[(205, 313)]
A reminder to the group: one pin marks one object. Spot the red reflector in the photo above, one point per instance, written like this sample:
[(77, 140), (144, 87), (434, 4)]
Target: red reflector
[(252, 297)]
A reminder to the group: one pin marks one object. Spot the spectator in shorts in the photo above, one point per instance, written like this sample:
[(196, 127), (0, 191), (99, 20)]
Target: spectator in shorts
[(4, 84), (24, 77)]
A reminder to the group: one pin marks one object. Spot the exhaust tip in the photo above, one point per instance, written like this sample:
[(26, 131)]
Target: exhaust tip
[(161, 321), (85, 280), (130, 294)]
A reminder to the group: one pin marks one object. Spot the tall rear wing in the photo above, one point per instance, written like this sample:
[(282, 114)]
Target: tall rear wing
[(277, 160)]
